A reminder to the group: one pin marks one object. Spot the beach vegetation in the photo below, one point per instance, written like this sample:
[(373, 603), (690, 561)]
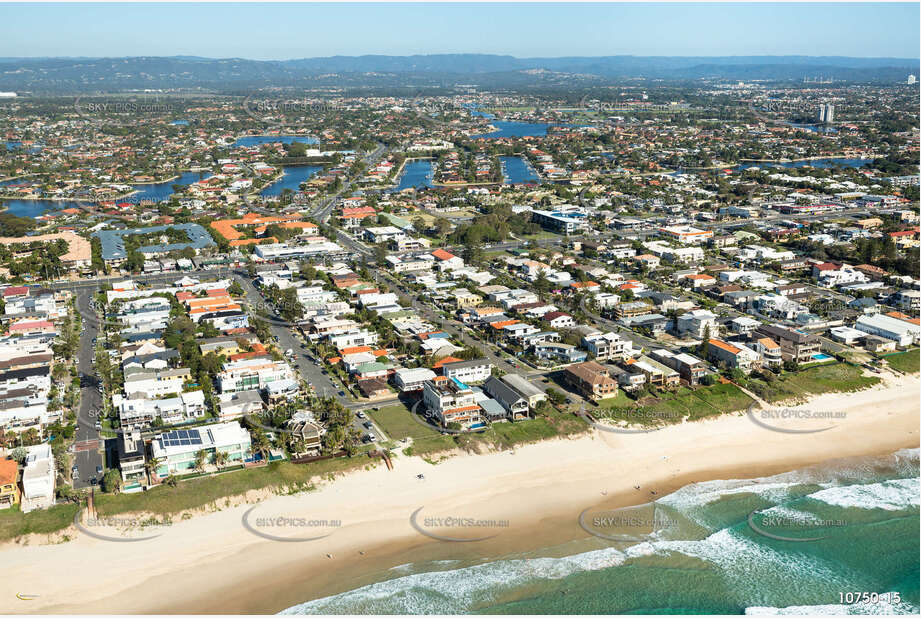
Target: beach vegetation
[(906, 362), (832, 378)]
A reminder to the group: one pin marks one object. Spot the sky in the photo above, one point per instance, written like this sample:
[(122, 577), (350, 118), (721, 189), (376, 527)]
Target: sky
[(283, 31)]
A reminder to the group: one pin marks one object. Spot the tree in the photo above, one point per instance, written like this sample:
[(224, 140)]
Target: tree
[(220, 459), (151, 466), (201, 458), (112, 481), (555, 397), (19, 454)]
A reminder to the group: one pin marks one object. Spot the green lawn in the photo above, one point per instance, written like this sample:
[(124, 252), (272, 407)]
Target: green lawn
[(397, 422), (674, 406), (198, 492), (14, 523), (548, 424), (906, 362), (835, 378)]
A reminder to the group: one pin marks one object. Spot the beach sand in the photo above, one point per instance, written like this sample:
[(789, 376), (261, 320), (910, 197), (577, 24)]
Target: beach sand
[(213, 564)]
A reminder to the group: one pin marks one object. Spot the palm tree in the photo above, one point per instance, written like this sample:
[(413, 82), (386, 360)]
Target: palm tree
[(201, 458), (260, 444), (220, 459), (151, 466)]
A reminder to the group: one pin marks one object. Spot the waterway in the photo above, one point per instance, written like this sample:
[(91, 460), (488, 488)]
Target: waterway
[(419, 173), (292, 179), (256, 140), (515, 170)]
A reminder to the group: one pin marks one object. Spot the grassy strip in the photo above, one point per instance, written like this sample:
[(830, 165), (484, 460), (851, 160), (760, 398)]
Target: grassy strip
[(834, 378), (397, 422), (674, 406), (198, 492), (14, 523), (906, 362)]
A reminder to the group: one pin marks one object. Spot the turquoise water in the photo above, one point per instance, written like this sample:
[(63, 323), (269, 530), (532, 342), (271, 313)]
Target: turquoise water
[(708, 559)]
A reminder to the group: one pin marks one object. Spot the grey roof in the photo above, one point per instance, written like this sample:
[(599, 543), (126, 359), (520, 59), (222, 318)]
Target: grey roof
[(113, 241), (492, 408), (522, 385), (501, 391)]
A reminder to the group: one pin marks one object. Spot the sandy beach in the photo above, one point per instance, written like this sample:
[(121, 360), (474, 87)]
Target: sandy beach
[(213, 563)]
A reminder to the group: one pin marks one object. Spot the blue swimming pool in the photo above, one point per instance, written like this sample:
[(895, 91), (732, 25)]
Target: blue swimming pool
[(821, 357)]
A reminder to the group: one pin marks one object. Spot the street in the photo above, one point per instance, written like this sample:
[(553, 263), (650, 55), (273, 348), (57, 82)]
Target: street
[(87, 440)]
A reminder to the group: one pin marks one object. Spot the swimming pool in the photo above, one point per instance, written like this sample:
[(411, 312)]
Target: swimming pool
[(821, 357)]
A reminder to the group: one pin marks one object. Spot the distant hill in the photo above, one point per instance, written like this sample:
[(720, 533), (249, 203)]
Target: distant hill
[(69, 75)]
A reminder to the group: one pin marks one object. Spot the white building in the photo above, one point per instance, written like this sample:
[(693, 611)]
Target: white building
[(697, 323), (412, 379), (38, 478), (468, 371), (902, 332)]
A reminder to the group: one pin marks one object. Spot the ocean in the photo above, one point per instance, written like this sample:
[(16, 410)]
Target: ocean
[(803, 542)]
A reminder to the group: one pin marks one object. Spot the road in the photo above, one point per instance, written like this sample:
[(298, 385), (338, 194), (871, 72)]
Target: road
[(322, 211), (87, 439)]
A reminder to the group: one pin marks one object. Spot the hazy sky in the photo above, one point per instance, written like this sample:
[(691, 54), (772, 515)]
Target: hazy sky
[(280, 31)]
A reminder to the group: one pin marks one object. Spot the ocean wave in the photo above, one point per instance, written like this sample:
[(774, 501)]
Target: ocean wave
[(894, 495), (753, 566), (455, 591)]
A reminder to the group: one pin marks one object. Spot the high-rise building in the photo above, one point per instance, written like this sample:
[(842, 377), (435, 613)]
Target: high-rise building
[(829, 113), (821, 116), (912, 79)]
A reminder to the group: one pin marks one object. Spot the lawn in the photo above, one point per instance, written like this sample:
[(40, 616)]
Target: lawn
[(835, 378), (14, 523), (547, 424), (906, 362), (198, 492), (397, 423), (674, 406)]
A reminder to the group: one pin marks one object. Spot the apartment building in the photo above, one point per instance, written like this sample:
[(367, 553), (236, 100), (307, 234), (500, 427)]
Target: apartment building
[(689, 367), (38, 478), (141, 382), (591, 380), (697, 323), (139, 412), (468, 371), (451, 401), (734, 355), (794, 345), (252, 374), (607, 346)]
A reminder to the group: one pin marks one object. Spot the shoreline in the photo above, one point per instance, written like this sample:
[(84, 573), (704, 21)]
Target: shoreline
[(212, 564)]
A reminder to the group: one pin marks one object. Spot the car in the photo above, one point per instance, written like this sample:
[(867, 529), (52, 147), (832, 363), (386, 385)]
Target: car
[(98, 470), (360, 414), (93, 481), (98, 426), (372, 437), (342, 393), (367, 424)]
